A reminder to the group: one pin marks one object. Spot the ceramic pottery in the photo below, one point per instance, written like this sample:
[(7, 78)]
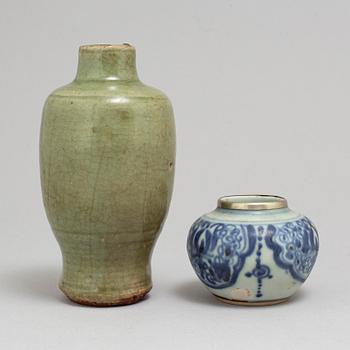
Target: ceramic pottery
[(107, 154), (253, 250)]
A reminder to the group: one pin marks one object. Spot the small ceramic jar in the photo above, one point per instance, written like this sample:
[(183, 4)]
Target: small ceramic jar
[(253, 249)]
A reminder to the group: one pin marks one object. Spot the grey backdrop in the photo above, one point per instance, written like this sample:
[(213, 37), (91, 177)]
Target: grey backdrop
[(260, 91)]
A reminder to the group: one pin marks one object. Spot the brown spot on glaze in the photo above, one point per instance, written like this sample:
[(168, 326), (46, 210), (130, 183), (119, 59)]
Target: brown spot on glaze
[(239, 293), (124, 115)]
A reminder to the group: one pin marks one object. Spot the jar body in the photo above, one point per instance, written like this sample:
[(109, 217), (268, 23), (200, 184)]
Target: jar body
[(253, 256), (107, 152)]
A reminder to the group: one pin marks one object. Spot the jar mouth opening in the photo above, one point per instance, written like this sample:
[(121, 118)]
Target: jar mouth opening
[(252, 202)]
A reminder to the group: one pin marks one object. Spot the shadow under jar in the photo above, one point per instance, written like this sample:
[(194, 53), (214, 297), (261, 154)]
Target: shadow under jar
[(107, 153), (252, 249)]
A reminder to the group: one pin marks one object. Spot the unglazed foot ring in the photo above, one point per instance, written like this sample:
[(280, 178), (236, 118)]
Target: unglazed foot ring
[(251, 303), (132, 299)]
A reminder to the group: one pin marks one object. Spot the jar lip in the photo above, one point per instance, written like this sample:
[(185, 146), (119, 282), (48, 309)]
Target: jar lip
[(252, 202)]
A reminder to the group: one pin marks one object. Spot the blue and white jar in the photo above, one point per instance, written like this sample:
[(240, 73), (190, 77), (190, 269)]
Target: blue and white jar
[(253, 249)]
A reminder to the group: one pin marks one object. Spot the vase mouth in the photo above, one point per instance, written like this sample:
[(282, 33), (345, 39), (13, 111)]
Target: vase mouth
[(252, 202), (97, 47), (107, 62)]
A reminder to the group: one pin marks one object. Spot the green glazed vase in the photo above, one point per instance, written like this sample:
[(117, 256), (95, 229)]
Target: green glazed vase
[(107, 152)]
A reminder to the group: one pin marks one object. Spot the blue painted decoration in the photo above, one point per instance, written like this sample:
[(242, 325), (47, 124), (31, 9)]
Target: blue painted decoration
[(295, 247), (260, 271), (218, 251)]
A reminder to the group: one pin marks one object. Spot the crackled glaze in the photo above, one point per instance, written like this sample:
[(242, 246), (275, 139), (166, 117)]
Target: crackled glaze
[(107, 154)]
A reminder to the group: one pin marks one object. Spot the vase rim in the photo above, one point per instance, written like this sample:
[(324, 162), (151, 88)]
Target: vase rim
[(94, 47), (252, 202)]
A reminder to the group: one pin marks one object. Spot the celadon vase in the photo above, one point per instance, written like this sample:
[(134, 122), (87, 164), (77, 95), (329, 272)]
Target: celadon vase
[(107, 153)]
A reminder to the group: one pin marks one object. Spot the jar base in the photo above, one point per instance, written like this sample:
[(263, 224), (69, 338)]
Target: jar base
[(127, 300), (251, 303)]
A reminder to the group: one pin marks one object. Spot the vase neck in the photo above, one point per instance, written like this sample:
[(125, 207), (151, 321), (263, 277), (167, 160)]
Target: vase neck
[(107, 62)]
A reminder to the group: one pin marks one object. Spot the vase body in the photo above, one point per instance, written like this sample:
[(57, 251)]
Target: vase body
[(107, 153), (253, 250)]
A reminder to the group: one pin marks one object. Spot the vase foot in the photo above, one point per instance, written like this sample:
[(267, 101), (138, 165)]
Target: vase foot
[(251, 303), (127, 300)]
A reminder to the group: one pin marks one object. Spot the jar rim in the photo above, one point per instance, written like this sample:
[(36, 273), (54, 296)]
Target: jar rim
[(252, 202)]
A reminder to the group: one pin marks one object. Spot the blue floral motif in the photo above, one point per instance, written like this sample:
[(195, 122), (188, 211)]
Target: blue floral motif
[(295, 247), (218, 251)]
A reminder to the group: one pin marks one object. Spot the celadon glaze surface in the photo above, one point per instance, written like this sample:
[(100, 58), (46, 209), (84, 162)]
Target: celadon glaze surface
[(107, 155), (253, 257)]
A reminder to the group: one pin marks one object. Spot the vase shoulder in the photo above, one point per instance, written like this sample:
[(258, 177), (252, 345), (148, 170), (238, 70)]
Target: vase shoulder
[(131, 90)]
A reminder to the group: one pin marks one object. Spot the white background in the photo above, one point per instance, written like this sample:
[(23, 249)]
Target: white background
[(261, 94)]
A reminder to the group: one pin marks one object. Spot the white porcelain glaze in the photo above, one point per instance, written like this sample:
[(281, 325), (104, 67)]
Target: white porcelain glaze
[(253, 255)]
